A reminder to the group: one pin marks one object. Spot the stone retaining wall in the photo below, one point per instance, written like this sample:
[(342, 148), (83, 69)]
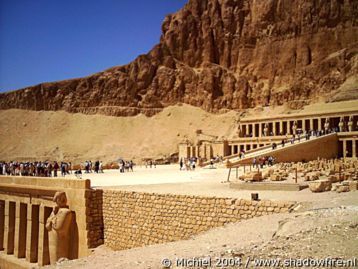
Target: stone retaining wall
[(94, 212), (133, 219)]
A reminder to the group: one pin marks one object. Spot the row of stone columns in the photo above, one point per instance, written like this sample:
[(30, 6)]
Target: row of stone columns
[(24, 234), (286, 126), (354, 148), (234, 149)]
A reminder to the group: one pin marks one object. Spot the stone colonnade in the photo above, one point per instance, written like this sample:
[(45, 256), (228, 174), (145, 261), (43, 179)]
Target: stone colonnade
[(25, 205), (22, 230), (349, 147), (276, 127)]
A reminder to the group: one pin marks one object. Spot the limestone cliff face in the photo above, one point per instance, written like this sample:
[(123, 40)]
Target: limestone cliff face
[(223, 54)]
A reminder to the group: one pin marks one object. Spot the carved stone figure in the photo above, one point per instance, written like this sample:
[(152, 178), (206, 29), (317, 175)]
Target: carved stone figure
[(58, 224), (326, 125), (341, 124), (266, 130), (294, 128), (350, 124)]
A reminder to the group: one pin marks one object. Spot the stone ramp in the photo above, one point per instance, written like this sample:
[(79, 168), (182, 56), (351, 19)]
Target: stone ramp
[(325, 146)]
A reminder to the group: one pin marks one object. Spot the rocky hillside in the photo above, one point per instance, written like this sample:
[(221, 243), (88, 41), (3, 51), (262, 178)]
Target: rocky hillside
[(223, 54)]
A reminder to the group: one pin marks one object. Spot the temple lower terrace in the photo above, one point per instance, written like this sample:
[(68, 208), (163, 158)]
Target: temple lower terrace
[(171, 204)]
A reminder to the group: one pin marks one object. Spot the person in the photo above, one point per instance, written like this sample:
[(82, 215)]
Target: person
[(283, 142), (254, 162), (96, 167), (100, 167), (63, 169), (55, 168), (70, 167), (181, 164), (131, 164), (193, 164)]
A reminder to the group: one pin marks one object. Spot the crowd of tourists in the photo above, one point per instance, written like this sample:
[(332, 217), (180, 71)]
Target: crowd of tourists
[(38, 169), (125, 166), (150, 164), (97, 167), (47, 168), (260, 162), (188, 164)]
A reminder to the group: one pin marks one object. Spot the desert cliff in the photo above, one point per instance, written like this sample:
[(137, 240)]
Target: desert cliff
[(222, 54)]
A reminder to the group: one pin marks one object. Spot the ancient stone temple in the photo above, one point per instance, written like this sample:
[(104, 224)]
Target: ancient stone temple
[(256, 133)]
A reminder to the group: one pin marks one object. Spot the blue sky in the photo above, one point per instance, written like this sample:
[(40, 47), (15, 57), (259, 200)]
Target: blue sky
[(49, 40)]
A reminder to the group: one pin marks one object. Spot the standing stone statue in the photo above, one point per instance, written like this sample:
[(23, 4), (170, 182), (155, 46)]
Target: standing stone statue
[(58, 225), (326, 126), (294, 127), (341, 124), (266, 130), (350, 124)]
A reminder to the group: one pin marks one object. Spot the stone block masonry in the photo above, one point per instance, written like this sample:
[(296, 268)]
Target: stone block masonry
[(133, 219)]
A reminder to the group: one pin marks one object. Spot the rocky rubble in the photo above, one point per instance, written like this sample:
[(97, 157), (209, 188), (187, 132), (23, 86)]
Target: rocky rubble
[(222, 54), (340, 175)]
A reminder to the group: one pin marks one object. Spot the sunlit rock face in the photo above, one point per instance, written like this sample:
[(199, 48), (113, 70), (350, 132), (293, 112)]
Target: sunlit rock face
[(223, 54)]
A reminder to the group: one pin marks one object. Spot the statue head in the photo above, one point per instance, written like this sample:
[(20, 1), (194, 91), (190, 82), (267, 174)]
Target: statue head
[(60, 199)]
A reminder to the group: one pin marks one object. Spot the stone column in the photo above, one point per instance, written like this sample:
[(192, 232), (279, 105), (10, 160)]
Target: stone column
[(2, 224), (274, 128), (260, 129), (288, 127), (281, 127), (253, 130), (9, 227), (311, 124), (344, 148), (20, 230), (319, 124), (354, 150), (43, 250), (247, 129), (32, 235), (304, 125)]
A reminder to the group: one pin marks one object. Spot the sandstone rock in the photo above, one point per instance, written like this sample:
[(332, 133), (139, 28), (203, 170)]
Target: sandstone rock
[(276, 177), (252, 176), (353, 185), (312, 176), (342, 188), (221, 54), (333, 178), (320, 185)]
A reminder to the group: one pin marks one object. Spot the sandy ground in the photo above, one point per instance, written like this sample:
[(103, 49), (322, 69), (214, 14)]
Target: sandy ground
[(47, 135), (202, 181), (322, 225)]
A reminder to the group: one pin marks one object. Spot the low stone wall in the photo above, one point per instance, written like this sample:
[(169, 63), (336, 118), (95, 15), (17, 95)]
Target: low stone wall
[(94, 212), (133, 219)]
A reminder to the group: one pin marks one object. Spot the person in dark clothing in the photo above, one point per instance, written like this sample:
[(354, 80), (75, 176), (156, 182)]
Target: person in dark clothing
[(55, 168)]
